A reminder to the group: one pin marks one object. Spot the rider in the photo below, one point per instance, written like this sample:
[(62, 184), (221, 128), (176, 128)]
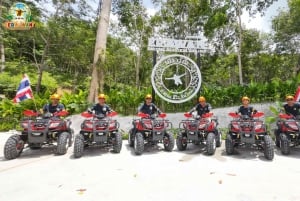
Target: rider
[(148, 107), (291, 107), (54, 106), (245, 108), (101, 109), (202, 107)]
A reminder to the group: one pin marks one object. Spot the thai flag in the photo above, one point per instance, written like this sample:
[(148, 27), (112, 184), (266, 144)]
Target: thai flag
[(297, 95), (24, 91)]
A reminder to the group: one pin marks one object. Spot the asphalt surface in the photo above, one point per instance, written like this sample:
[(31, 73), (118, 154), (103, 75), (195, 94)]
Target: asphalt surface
[(157, 175)]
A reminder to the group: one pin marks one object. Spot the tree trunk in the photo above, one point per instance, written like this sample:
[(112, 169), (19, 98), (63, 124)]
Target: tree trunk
[(240, 40), (1, 44), (99, 53)]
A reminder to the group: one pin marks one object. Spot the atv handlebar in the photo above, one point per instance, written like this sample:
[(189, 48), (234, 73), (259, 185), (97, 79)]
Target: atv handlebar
[(255, 115), (206, 115), (144, 115), (31, 113), (87, 114)]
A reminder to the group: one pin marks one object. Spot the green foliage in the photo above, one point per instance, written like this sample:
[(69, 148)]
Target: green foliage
[(75, 103)]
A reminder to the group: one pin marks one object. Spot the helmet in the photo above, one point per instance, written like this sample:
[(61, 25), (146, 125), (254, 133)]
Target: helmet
[(202, 99), (289, 97), (245, 98), (101, 96), (55, 96), (148, 96)]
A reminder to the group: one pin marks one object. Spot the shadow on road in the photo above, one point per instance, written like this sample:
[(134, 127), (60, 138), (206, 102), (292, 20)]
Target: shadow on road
[(149, 149), (35, 153), (294, 153)]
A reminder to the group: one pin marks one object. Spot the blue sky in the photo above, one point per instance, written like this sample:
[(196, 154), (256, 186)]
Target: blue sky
[(261, 23)]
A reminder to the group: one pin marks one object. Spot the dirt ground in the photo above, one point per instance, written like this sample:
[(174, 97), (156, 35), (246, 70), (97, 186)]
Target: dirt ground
[(157, 175)]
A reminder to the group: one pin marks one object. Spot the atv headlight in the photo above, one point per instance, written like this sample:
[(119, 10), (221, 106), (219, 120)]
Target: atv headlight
[(54, 125), (257, 126), (88, 125)]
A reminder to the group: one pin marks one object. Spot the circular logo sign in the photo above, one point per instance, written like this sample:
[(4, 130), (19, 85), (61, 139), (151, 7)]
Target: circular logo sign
[(176, 78)]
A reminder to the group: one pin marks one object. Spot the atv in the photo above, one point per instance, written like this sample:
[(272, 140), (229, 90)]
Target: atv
[(38, 130), (287, 134), (199, 131), (98, 130), (249, 131), (150, 130)]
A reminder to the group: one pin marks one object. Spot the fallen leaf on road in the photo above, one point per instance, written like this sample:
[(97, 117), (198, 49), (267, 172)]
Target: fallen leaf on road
[(81, 191), (212, 172), (220, 181)]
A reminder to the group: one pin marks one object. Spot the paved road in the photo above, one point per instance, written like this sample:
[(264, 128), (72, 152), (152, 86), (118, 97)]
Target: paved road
[(39, 175)]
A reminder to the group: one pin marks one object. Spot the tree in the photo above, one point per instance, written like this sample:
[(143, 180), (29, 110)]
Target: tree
[(99, 54)]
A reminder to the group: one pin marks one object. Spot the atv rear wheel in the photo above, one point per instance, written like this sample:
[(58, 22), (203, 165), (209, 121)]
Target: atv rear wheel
[(181, 143), (284, 144), (62, 143), (268, 147), (277, 138), (229, 144), (219, 139), (168, 141), (13, 147), (71, 137), (78, 146), (130, 138), (138, 144), (117, 146), (211, 143)]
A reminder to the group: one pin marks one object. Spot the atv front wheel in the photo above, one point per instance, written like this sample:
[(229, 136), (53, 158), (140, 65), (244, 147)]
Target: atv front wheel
[(138, 144), (62, 143), (268, 147), (285, 144), (78, 146), (13, 147), (229, 144), (117, 146), (211, 143), (181, 143), (169, 142)]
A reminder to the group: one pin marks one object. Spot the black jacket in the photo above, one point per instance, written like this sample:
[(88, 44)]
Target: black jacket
[(149, 109), (53, 108), (246, 110), (293, 110), (99, 109), (201, 109)]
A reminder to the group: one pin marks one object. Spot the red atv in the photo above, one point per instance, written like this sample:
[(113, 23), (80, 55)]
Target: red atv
[(98, 130), (152, 131), (246, 131), (39, 130), (288, 133), (199, 131)]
